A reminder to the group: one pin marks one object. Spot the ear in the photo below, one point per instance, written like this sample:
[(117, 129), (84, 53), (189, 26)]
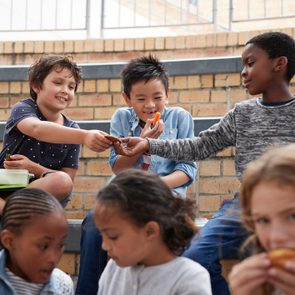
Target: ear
[(35, 88), (7, 239), (127, 99), (280, 63), (152, 230)]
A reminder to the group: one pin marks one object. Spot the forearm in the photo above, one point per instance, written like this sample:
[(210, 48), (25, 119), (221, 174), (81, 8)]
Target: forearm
[(175, 179), (123, 163), (54, 133)]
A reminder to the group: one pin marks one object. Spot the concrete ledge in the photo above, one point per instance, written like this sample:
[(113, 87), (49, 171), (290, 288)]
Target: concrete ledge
[(196, 66)]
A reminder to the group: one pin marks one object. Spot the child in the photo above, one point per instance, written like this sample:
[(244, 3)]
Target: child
[(39, 137), (145, 228), (146, 88), (33, 233), (269, 180), (251, 126)]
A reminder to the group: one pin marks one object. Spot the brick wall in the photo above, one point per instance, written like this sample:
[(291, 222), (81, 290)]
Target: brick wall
[(202, 95)]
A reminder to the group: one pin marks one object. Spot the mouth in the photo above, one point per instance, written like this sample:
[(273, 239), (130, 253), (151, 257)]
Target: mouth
[(246, 83), (62, 99)]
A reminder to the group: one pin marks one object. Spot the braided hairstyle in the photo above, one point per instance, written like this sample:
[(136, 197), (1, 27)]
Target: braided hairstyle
[(142, 196), (23, 205)]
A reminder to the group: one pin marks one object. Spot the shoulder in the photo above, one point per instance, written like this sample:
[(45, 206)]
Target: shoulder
[(27, 102), (124, 111), (246, 104), (176, 114), (190, 265), (62, 282)]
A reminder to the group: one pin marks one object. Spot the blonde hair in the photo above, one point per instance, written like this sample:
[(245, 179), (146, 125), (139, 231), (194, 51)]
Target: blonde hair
[(276, 165)]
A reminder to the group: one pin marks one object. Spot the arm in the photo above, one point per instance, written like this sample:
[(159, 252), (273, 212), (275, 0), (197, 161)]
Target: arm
[(55, 133), (182, 173), (208, 143), (22, 162)]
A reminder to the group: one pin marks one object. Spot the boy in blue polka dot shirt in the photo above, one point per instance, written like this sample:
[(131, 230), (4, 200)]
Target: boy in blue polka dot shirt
[(40, 138)]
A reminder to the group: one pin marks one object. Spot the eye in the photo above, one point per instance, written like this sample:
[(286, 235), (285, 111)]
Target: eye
[(113, 238), (158, 98), (43, 247), (291, 216), (261, 220), (71, 87), (250, 63)]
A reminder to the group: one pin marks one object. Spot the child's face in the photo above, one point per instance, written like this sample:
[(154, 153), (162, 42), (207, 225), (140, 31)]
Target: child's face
[(258, 72), (273, 212), (147, 98), (57, 91), (35, 253), (125, 243)]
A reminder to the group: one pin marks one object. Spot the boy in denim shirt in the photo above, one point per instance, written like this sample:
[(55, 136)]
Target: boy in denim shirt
[(146, 87)]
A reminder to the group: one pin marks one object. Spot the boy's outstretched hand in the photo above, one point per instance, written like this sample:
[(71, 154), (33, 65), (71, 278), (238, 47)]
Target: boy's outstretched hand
[(135, 145), (96, 141)]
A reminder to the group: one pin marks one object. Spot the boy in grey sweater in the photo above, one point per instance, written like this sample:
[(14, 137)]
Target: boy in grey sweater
[(251, 127)]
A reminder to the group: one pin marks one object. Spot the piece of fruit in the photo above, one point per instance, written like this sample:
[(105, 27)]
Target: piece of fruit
[(156, 118), (7, 157)]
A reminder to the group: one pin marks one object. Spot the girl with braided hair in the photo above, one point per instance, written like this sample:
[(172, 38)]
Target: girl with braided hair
[(34, 229), (144, 229)]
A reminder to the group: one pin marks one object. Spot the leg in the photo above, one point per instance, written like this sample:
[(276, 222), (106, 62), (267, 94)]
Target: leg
[(92, 258), (58, 183), (220, 238)]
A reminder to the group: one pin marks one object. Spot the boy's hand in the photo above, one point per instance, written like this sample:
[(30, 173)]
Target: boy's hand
[(96, 141), (152, 131), (248, 276), (135, 146), (18, 161), (283, 278)]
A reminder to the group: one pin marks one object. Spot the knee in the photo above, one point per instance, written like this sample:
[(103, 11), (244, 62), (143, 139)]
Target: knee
[(64, 184)]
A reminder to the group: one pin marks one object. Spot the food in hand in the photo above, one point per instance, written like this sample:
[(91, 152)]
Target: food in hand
[(156, 118), (113, 138), (7, 157), (280, 256)]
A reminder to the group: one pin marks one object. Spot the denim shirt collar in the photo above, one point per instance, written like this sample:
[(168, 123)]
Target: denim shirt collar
[(134, 121), (48, 287)]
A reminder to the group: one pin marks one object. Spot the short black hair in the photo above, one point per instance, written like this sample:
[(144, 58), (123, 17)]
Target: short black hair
[(142, 196), (144, 68), (277, 44), (39, 70)]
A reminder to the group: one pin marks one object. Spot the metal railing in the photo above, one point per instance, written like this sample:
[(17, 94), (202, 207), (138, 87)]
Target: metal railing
[(98, 18), (43, 15)]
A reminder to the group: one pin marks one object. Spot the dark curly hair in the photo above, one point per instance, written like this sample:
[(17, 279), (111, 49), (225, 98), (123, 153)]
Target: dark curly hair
[(142, 196), (277, 44), (144, 68), (39, 70)]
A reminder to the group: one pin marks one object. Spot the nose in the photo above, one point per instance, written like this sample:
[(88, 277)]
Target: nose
[(105, 245), (54, 256), (278, 236), (244, 72), (149, 103)]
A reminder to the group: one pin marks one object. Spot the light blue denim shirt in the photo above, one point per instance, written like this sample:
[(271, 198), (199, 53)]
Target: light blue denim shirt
[(58, 284), (178, 123)]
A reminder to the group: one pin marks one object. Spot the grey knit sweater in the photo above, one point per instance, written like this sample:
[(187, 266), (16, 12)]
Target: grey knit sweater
[(250, 127)]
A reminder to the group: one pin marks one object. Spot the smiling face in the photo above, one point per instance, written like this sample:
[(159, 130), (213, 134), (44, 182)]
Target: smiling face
[(36, 251), (126, 243), (258, 73), (147, 98), (57, 91), (273, 213)]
